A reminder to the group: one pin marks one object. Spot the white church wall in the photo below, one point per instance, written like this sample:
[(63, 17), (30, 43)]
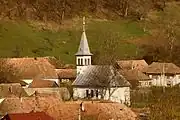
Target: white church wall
[(120, 95)]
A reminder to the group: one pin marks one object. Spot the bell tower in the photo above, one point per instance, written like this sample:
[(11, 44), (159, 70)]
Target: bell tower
[(83, 56)]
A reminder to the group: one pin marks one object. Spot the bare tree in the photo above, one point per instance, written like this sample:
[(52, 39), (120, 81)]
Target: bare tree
[(108, 46)]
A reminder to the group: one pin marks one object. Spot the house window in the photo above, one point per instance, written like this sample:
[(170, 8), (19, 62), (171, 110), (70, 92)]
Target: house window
[(150, 83), (146, 83), (154, 77), (150, 76), (97, 93), (169, 77), (64, 80), (92, 93), (79, 61)]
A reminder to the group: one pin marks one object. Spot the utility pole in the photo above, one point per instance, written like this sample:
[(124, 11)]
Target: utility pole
[(79, 114), (163, 76)]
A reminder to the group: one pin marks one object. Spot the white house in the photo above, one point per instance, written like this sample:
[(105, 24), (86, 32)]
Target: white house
[(163, 74), (98, 81)]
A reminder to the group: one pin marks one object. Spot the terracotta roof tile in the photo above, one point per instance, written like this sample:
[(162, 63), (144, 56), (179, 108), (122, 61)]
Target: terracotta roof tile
[(66, 73), (134, 75), (28, 116), (96, 110), (33, 67), (40, 102), (131, 64), (157, 68), (43, 84)]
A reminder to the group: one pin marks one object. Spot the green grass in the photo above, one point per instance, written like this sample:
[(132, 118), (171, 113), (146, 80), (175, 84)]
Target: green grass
[(22, 38)]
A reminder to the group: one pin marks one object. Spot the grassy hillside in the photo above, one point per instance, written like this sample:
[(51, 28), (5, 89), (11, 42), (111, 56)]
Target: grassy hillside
[(35, 29), (18, 39)]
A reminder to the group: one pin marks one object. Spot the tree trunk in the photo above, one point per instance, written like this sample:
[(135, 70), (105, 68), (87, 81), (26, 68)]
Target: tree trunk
[(63, 11)]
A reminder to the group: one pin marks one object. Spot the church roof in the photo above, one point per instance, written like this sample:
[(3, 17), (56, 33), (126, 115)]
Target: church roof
[(100, 76), (83, 47)]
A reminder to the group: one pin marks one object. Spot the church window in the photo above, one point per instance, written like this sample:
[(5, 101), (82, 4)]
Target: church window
[(81, 61), (88, 61), (96, 93), (87, 93), (85, 61), (92, 93), (78, 61)]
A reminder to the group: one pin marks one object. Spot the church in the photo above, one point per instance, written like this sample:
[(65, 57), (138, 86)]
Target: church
[(97, 82)]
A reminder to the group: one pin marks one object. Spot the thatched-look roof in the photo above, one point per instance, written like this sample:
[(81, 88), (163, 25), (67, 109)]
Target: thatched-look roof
[(135, 75), (43, 84), (159, 68), (66, 73), (131, 64), (29, 68), (93, 111)]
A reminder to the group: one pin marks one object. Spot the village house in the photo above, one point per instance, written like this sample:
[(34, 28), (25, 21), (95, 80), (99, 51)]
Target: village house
[(100, 82), (131, 64), (163, 74), (33, 68), (66, 75), (137, 78)]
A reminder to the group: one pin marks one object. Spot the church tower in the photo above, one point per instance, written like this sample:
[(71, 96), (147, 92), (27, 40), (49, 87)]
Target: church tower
[(83, 56)]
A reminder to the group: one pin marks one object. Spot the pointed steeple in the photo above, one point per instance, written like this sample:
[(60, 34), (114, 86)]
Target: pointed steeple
[(83, 49)]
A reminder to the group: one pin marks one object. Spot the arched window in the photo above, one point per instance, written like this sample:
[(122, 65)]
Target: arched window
[(81, 61), (85, 61), (78, 61)]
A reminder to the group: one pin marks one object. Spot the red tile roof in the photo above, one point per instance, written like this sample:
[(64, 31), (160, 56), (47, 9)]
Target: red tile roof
[(132, 64), (40, 102), (66, 73), (159, 68), (29, 68), (95, 110), (28, 116), (43, 84)]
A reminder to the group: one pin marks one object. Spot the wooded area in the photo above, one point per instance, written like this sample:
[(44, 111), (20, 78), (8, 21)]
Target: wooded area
[(58, 10)]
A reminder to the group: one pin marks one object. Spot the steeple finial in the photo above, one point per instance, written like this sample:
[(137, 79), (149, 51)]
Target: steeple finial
[(84, 23), (83, 49)]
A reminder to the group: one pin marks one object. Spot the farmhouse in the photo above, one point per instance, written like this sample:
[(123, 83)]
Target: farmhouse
[(163, 74), (66, 75)]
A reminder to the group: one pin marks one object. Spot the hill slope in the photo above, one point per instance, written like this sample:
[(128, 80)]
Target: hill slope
[(50, 28), (18, 39)]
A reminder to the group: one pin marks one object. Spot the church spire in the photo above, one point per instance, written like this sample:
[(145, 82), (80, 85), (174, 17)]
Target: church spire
[(83, 49)]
